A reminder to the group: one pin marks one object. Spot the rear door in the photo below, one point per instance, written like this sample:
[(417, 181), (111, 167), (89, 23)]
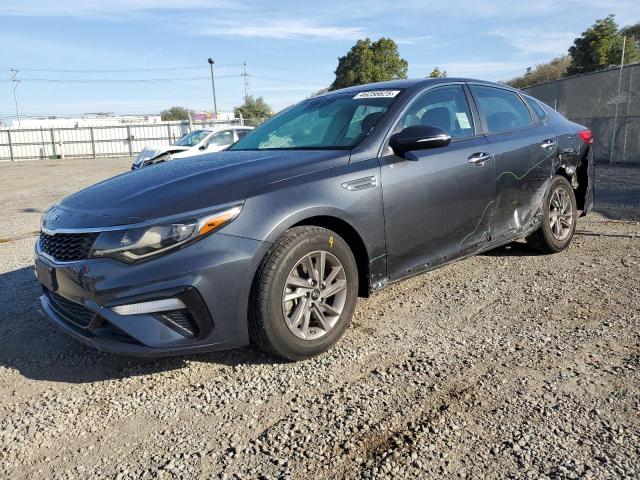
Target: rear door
[(523, 147), (436, 202)]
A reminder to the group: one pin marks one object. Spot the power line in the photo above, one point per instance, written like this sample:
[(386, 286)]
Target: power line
[(124, 70), (120, 80), (286, 80), (245, 75)]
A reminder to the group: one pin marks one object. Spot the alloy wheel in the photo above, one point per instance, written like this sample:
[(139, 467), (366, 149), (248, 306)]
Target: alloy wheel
[(560, 214), (314, 295)]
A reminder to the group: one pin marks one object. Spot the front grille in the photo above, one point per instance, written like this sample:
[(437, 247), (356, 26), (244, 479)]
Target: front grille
[(181, 321), (67, 246), (72, 311)]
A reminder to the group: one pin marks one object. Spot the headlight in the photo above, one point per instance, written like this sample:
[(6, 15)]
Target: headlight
[(140, 243)]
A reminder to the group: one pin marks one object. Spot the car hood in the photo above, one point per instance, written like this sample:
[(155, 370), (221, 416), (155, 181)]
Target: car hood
[(150, 152), (186, 185)]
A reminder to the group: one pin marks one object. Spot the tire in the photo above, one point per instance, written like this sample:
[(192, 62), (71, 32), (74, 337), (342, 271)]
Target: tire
[(277, 323), (549, 238)]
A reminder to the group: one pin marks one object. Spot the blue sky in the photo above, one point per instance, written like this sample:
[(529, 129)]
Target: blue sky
[(291, 47)]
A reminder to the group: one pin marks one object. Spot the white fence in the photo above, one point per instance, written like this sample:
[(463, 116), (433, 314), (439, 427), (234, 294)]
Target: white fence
[(90, 142)]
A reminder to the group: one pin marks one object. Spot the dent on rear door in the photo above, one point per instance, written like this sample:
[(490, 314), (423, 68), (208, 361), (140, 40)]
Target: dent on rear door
[(523, 171)]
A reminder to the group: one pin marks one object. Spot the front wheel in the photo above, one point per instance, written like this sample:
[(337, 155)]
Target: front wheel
[(304, 294), (559, 216)]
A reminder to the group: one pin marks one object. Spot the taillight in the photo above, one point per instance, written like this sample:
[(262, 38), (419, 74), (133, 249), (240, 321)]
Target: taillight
[(586, 136)]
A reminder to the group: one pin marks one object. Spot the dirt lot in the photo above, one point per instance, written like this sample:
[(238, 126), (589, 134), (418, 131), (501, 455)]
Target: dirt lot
[(504, 365)]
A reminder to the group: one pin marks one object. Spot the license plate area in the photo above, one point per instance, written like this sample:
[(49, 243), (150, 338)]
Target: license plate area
[(46, 275)]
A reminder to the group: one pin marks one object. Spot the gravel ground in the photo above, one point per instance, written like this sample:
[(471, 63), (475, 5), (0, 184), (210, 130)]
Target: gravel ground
[(508, 364)]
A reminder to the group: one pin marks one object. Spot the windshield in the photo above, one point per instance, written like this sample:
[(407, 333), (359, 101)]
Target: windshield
[(338, 121), (193, 138)]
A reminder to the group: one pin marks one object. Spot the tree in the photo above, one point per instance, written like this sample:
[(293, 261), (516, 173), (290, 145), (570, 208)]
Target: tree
[(544, 72), (174, 113), (253, 108), (599, 47), (369, 62), (319, 92), (437, 73), (632, 31)]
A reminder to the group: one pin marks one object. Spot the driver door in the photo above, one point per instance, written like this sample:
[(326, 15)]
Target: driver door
[(438, 201)]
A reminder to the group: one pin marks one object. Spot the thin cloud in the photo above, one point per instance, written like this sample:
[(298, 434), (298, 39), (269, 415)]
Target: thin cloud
[(152, 53), (486, 70), (411, 40), (99, 8), (279, 29), (536, 41)]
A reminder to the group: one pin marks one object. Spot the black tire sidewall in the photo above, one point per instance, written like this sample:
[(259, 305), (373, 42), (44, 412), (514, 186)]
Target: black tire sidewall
[(552, 242), (281, 339)]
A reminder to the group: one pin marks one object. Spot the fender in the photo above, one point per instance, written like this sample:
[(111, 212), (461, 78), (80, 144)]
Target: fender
[(318, 194)]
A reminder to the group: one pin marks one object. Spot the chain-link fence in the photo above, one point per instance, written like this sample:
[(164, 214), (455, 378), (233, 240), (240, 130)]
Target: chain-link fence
[(592, 99), (93, 142)]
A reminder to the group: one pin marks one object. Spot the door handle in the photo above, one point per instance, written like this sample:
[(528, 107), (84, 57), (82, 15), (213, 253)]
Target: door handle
[(549, 142), (479, 158)]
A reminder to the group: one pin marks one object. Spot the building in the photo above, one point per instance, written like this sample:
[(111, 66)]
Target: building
[(85, 120)]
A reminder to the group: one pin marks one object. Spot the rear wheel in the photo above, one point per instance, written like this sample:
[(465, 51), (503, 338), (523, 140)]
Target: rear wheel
[(304, 293), (559, 218)]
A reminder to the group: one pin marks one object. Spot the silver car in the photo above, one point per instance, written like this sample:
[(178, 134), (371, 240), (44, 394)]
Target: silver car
[(197, 142)]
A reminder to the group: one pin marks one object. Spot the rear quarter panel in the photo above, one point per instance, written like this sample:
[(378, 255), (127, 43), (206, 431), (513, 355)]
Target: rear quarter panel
[(576, 159)]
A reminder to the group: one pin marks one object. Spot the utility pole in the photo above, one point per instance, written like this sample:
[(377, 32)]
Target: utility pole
[(615, 117), (213, 87), (246, 81), (16, 82)]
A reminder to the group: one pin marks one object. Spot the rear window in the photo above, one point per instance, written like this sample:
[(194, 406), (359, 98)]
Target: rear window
[(537, 108), (502, 110)]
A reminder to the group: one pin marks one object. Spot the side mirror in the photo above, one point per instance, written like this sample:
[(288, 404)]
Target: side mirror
[(204, 146), (418, 137)]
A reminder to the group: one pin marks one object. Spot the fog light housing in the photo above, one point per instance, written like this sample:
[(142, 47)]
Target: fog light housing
[(149, 307)]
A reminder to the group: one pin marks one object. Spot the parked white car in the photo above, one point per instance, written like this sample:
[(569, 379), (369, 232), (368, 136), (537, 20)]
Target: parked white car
[(205, 140)]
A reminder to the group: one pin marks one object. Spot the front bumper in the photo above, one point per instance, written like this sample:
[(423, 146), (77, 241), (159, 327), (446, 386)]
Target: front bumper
[(212, 276)]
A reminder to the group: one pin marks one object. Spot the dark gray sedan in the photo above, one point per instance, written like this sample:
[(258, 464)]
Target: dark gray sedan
[(336, 197)]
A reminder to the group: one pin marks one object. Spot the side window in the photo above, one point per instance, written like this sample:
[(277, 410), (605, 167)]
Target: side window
[(359, 125), (199, 137), (537, 108), (221, 138), (444, 107), (242, 133), (501, 109)]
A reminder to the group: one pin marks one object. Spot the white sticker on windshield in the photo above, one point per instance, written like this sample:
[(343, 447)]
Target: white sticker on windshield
[(463, 120), (377, 94)]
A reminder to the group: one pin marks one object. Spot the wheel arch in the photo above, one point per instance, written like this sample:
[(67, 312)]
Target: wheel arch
[(578, 177), (561, 171), (353, 239)]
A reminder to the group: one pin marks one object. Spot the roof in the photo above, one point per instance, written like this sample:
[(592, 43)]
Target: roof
[(217, 128), (413, 82)]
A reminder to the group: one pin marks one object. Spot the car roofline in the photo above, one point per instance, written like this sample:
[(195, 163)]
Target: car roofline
[(411, 83)]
